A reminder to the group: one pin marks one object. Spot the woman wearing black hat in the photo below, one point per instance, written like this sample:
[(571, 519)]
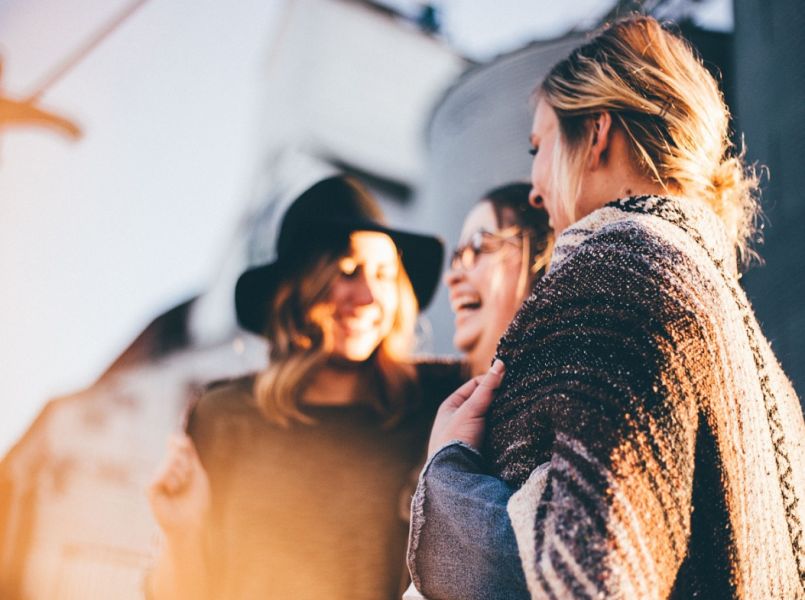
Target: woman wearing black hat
[(304, 464)]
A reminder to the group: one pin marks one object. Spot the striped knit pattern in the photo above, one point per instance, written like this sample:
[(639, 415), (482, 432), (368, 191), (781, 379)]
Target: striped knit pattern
[(671, 444)]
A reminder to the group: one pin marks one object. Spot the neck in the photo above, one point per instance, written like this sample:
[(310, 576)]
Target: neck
[(640, 187), (618, 187), (615, 175), (339, 384), (477, 365)]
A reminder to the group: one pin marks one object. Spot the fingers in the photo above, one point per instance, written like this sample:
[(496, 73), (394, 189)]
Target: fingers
[(461, 395), (177, 468), (462, 415), (183, 446), (478, 402), (494, 376)]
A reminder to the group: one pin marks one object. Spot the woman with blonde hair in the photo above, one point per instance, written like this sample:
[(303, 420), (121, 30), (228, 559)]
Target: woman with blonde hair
[(641, 439), (289, 482)]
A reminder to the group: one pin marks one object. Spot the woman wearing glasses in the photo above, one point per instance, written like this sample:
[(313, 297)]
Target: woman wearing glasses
[(503, 250)]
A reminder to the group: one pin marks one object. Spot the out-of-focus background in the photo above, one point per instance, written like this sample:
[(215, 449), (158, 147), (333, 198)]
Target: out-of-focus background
[(147, 148)]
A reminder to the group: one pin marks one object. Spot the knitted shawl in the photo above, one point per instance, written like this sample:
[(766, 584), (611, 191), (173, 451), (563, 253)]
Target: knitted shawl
[(657, 447)]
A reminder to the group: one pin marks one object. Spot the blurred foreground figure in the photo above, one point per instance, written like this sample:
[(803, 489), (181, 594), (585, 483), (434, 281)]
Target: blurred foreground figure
[(644, 441), (292, 480), (73, 519)]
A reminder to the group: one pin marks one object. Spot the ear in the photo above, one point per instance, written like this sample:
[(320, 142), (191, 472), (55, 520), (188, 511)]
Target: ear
[(602, 131)]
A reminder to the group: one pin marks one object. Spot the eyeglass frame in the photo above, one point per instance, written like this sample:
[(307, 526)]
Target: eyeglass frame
[(474, 247)]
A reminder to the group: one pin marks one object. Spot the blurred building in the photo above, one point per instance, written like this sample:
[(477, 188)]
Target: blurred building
[(346, 86)]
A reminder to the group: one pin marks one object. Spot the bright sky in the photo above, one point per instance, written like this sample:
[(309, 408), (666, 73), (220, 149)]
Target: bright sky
[(99, 236)]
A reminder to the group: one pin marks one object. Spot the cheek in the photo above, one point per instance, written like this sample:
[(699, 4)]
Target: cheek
[(540, 176), (510, 293), (510, 281), (479, 277), (389, 300), (493, 280), (534, 175), (337, 293), (322, 314)]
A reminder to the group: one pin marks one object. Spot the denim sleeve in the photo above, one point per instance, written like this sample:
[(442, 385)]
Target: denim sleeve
[(462, 544)]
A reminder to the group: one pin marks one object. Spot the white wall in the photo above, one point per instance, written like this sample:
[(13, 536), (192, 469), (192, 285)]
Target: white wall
[(98, 236)]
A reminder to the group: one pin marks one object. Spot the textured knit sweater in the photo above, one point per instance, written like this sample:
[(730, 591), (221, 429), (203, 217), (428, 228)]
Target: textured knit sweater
[(656, 444)]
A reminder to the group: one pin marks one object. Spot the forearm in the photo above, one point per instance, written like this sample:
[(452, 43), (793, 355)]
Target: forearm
[(462, 544)]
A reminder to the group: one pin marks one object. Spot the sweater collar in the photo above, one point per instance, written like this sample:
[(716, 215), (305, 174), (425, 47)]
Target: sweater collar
[(693, 218)]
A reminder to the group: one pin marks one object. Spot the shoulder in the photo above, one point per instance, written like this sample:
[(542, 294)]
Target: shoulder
[(227, 393), (621, 285), (220, 402), (620, 303), (53, 434), (630, 262), (629, 236), (223, 422), (664, 235), (36, 443)]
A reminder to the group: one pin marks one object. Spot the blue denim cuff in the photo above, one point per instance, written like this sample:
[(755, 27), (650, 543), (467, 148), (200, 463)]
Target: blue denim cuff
[(454, 452), (455, 449), (468, 533)]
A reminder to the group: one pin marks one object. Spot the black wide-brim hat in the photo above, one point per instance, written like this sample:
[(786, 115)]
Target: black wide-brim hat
[(319, 221)]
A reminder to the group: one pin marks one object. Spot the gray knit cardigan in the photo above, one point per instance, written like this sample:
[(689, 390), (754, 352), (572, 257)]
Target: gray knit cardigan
[(657, 447)]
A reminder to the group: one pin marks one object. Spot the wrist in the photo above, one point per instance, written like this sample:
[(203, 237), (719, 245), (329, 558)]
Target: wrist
[(452, 447)]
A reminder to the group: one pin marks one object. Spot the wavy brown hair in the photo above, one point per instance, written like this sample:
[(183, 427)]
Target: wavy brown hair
[(670, 108), (299, 345)]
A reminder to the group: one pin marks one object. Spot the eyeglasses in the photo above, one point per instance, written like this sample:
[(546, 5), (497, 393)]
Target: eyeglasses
[(483, 242)]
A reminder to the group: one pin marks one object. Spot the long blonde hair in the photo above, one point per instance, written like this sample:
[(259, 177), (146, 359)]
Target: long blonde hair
[(299, 345), (673, 114)]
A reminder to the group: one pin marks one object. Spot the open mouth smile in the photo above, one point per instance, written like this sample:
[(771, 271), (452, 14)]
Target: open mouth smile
[(465, 302)]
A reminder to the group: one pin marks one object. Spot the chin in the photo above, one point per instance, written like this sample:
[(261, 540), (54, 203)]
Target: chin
[(357, 352), (463, 344)]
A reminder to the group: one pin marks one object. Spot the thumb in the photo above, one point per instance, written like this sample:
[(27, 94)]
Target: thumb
[(481, 398), (494, 376), (185, 450)]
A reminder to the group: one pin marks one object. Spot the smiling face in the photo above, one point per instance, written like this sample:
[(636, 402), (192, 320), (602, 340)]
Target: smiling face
[(485, 296), (362, 302), (544, 147)]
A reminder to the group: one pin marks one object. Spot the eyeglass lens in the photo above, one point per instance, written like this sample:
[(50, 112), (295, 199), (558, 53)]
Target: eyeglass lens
[(480, 242)]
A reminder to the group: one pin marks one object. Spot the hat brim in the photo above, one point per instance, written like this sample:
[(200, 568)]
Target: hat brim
[(421, 255)]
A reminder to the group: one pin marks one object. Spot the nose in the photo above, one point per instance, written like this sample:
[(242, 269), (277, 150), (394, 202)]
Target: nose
[(453, 276), (534, 199), (361, 292)]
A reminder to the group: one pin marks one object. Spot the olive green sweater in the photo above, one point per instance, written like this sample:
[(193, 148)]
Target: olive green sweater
[(313, 511)]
